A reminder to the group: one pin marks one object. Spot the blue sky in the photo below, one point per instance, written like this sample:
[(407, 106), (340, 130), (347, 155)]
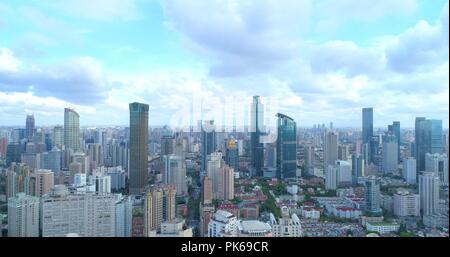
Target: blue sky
[(316, 61)]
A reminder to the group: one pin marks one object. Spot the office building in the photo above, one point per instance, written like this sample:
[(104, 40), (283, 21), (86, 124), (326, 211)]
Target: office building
[(51, 160), (438, 164), (29, 128), (394, 129), (367, 129), (175, 173), (429, 193), (58, 136), (82, 159), (226, 183), (309, 159), (409, 170), (23, 216), (343, 152), (138, 147), (208, 141), (71, 129), (17, 179), (330, 150), (358, 166), (166, 142), (286, 147), (101, 182), (428, 139), (344, 173), (390, 154), (213, 172), (232, 154), (256, 131), (124, 216)]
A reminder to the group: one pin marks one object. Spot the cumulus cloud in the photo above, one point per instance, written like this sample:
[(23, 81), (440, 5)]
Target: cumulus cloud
[(420, 47), (240, 36), (78, 80), (347, 57)]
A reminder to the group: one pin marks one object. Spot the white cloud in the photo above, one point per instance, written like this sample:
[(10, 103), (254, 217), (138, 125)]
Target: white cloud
[(102, 10), (8, 62), (420, 47)]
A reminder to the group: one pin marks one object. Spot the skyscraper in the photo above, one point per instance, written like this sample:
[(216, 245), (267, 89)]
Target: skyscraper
[(226, 183), (409, 170), (138, 147), (330, 149), (395, 130), (175, 173), (208, 141), (44, 182), (286, 147), (159, 206), (372, 195), (29, 128), (232, 154), (438, 164), (207, 190), (71, 129), (367, 129), (390, 158), (166, 142), (428, 136), (429, 193), (256, 130)]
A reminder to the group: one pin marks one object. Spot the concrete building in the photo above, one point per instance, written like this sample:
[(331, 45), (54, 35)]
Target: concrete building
[(409, 170), (287, 225), (372, 196), (429, 193), (23, 216), (173, 228), (175, 172), (159, 206), (330, 149), (406, 204), (44, 182), (390, 154), (382, 227), (226, 183), (344, 173), (213, 172), (207, 190), (438, 164), (101, 182), (222, 224), (87, 214), (124, 216), (331, 177), (253, 228)]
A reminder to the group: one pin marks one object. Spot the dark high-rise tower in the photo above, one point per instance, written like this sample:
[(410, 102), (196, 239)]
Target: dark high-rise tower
[(29, 127), (428, 139), (138, 147), (208, 141), (286, 147), (256, 130), (367, 129)]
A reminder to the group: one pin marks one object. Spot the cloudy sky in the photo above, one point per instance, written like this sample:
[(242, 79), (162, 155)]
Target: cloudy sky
[(316, 61)]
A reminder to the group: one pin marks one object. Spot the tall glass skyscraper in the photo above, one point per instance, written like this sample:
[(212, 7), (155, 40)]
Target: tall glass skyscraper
[(29, 127), (428, 139), (256, 130), (367, 130), (138, 147), (71, 129), (208, 141), (286, 147), (395, 130)]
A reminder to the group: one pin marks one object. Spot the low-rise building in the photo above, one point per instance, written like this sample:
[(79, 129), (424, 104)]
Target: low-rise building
[(382, 227), (253, 228)]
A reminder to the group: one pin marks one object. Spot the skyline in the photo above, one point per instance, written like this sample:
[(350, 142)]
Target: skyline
[(322, 61)]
